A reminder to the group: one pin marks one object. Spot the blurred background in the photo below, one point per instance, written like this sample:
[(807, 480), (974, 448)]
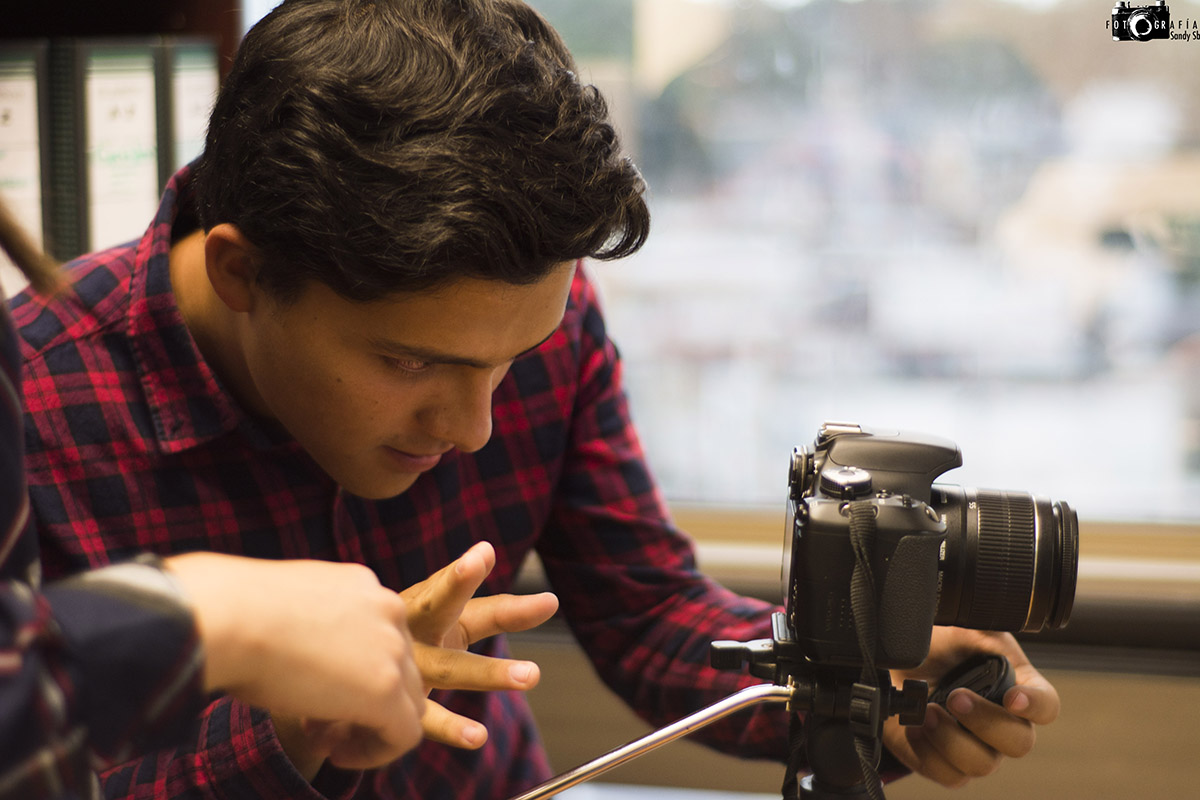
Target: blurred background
[(978, 219)]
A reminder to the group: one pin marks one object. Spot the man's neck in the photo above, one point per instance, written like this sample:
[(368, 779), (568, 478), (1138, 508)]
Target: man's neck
[(212, 324)]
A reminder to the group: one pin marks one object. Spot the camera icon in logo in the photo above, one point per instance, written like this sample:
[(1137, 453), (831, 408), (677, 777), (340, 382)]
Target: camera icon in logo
[(1141, 23)]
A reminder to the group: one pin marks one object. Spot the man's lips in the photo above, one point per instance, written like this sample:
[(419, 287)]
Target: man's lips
[(413, 462)]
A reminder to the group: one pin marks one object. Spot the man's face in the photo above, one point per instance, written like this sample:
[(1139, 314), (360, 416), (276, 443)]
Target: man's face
[(377, 392)]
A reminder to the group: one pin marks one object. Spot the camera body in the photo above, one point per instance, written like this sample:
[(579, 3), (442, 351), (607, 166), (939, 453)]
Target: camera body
[(894, 473), (1141, 23), (985, 559)]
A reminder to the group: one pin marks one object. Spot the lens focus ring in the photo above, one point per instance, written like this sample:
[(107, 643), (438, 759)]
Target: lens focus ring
[(1004, 567), (1010, 561)]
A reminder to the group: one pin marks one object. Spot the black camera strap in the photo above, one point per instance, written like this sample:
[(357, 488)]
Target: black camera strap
[(866, 623), (865, 611), (795, 762)]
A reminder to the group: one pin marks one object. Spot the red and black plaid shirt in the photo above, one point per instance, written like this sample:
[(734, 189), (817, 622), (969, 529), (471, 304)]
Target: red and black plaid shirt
[(91, 669), (134, 445)]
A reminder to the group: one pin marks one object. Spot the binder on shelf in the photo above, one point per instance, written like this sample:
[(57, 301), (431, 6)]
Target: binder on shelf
[(188, 78), (24, 141), (91, 129), (103, 155)]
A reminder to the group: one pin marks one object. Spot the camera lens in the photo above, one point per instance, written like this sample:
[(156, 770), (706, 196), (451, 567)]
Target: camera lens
[(1141, 25), (1010, 561)]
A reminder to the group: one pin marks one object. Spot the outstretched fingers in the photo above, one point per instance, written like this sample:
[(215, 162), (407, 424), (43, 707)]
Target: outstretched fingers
[(442, 668), (444, 726), (505, 613), (435, 604), (443, 611), (445, 618)]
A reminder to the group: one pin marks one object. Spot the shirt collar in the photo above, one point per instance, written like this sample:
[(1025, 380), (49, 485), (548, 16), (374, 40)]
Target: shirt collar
[(187, 402)]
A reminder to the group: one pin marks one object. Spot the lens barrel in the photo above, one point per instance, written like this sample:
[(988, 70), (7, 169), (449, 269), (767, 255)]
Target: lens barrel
[(1010, 562)]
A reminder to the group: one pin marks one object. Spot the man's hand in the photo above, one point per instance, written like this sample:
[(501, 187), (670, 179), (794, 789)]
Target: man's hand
[(974, 737), (445, 618), (310, 640)]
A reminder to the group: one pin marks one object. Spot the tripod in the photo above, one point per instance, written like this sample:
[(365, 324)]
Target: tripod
[(840, 740), (842, 728)]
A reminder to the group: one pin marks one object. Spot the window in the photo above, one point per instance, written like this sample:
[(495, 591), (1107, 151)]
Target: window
[(979, 220)]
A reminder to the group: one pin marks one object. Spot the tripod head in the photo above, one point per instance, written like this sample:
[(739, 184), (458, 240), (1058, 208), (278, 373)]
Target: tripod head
[(845, 711), (841, 713)]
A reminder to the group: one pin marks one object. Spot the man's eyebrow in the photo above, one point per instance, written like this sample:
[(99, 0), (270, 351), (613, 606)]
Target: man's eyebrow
[(435, 356)]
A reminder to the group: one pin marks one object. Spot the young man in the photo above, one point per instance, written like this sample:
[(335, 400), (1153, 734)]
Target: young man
[(102, 665), (359, 331)]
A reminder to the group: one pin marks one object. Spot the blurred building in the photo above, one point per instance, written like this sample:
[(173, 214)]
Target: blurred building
[(961, 217)]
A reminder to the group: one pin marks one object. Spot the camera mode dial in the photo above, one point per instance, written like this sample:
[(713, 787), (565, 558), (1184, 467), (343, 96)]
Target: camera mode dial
[(846, 483)]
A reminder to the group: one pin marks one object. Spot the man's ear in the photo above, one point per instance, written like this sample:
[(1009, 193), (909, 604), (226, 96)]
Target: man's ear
[(232, 265)]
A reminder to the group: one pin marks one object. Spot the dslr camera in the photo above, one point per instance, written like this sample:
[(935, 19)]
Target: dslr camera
[(936, 554), (875, 555), (1141, 23)]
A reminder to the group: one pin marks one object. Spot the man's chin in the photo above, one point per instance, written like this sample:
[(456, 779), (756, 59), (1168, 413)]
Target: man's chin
[(379, 489)]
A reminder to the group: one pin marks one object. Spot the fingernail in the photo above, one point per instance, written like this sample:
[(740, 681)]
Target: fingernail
[(931, 718), (960, 704), (1019, 702), (474, 735), (521, 673)]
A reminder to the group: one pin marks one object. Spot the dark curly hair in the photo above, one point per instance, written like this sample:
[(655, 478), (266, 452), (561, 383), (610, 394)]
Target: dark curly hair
[(383, 146)]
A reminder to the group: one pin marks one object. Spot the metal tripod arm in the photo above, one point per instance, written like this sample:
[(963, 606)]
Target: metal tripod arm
[(752, 696)]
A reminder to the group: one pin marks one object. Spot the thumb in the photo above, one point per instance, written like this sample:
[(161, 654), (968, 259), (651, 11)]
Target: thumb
[(325, 736)]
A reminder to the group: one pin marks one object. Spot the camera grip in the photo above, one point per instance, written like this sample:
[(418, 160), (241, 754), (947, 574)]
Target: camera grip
[(988, 675)]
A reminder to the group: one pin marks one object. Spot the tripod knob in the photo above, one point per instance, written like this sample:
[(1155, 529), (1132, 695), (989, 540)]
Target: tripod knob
[(726, 654), (908, 702), (759, 654)]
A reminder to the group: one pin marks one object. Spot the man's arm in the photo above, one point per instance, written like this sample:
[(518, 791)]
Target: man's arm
[(626, 576), (322, 686), (445, 618), (311, 640), (91, 674), (108, 664)]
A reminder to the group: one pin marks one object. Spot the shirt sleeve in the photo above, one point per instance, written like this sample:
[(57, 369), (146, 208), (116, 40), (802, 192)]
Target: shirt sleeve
[(109, 668), (92, 669), (230, 750), (122, 655), (627, 579), (234, 754)]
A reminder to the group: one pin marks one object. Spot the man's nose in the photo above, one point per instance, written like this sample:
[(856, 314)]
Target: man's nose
[(465, 417)]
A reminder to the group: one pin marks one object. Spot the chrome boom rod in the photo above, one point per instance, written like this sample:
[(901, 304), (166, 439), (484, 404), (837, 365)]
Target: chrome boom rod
[(754, 695)]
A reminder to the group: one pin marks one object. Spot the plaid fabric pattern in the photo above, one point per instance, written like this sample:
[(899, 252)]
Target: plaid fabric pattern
[(134, 445), (90, 668), (18, 546)]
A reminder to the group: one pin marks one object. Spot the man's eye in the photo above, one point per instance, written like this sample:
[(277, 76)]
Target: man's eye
[(406, 364)]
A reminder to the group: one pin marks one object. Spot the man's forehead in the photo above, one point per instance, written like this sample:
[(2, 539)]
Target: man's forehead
[(471, 321)]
